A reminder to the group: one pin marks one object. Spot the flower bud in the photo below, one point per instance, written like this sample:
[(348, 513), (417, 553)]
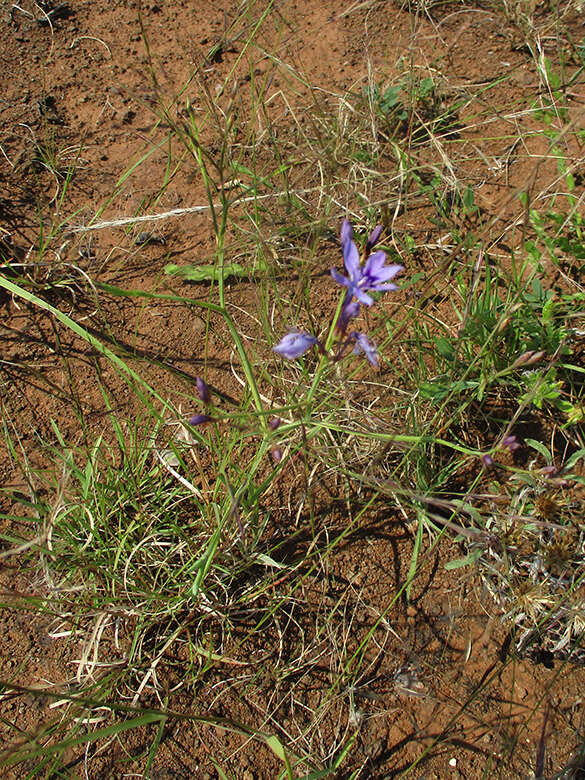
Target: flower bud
[(374, 237), (276, 454), (202, 390), (528, 358), (511, 443), (199, 419), (294, 344)]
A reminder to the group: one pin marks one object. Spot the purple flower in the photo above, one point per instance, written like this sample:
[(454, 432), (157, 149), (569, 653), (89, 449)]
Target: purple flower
[(199, 419), (294, 344), (511, 443), (363, 344), (274, 423), (202, 390), (374, 275)]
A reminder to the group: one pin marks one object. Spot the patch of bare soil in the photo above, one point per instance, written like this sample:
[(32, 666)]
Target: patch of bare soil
[(435, 682)]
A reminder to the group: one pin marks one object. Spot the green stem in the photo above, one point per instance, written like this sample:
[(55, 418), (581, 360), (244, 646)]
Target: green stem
[(386, 437), (325, 360)]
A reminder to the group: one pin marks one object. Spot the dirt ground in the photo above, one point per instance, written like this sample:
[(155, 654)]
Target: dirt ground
[(79, 83)]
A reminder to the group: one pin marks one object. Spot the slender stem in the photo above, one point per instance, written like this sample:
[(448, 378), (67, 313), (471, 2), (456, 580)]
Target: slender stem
[(324, 360), (385, 437)]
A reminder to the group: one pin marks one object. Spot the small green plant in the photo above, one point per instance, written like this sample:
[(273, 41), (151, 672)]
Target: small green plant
[(415, 107), (552, 108), (494, 336)]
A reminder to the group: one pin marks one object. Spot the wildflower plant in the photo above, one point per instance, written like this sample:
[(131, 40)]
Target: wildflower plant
[(364, 274), (171, 549)]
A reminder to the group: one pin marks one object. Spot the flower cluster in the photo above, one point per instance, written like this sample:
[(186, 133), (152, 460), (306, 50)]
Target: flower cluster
[(363, 275), (374, 274)]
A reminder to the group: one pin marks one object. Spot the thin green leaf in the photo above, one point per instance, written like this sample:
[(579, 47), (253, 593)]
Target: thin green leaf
[(458, 563)]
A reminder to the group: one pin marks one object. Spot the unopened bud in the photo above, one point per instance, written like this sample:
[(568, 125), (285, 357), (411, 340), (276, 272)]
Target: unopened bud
[(528, 358), (199, 419), (488, 461), (503, 324), (276, 454), (202, 390), (511, 443), (374, 237)]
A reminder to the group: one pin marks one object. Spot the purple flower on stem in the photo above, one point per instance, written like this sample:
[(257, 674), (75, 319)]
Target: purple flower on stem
[(199, 419), (295, 344), (363, 344), (274, 423), (511, 443), (202, 390), (374, 275)]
